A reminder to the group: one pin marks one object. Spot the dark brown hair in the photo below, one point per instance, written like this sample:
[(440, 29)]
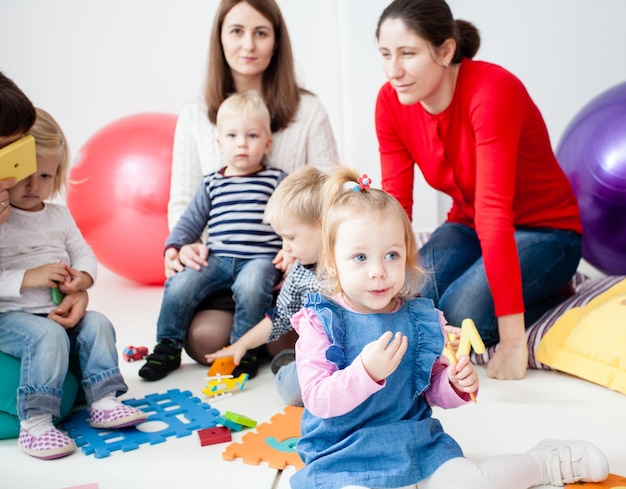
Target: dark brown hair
[(17, 113), (281, 92), (432, 20)]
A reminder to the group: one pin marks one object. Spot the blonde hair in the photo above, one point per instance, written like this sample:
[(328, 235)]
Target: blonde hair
[(242, 105), (299, 194), (341, 205), (50, 141)]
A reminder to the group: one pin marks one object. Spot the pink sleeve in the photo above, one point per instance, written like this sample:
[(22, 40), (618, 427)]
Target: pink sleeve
[(441, 393), (327, 391)]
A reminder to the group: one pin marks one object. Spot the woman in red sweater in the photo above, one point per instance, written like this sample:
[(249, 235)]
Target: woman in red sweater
[(512, 238)]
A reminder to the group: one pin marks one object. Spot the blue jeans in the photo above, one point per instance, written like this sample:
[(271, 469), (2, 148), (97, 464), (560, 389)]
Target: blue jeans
[(251, 282), (47, 351), (458, 283), (288, 386)]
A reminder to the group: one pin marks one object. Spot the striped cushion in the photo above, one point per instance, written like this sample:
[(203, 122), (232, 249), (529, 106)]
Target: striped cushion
[(585, 289)]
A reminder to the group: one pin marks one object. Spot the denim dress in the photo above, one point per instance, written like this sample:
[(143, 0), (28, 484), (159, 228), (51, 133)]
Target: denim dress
[(390, 440)]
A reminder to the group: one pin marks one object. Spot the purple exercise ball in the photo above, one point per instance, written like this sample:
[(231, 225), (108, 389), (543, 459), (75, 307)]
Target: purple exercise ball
[(592, 152)]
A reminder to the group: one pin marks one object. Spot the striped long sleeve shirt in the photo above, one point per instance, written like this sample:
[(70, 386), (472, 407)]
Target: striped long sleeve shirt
[(232, 207)]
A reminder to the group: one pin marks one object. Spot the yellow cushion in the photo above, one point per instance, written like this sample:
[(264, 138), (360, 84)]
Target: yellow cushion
[(589, 342)]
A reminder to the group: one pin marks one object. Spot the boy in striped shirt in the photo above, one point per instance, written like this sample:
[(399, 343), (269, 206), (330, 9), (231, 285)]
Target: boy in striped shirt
[(240, 247)]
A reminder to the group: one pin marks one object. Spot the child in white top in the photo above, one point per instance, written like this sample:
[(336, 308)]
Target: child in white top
[(41, 249)]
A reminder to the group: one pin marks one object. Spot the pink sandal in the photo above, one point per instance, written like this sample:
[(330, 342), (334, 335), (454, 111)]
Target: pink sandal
[(52, 444), (121, 416)]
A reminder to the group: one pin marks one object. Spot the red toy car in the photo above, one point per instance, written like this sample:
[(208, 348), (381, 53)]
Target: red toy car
[(132, 353)]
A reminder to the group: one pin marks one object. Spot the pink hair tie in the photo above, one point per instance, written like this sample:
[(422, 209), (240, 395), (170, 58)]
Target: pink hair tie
[(362, 183)]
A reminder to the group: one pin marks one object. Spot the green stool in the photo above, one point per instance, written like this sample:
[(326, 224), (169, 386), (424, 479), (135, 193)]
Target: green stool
[(9, 383)]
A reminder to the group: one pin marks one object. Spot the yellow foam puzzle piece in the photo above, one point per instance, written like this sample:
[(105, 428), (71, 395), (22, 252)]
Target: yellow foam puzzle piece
[(470, 338)]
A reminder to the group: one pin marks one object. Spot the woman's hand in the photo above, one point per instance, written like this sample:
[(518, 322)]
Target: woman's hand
[(510, 360), (172, 263), (5, 206), (463, 375), (382, 357)]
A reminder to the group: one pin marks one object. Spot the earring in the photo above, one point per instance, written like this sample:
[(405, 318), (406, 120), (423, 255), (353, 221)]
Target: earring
[(445, 65)]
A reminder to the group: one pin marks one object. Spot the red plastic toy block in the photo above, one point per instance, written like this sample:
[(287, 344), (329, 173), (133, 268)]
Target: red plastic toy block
[(212, 436)]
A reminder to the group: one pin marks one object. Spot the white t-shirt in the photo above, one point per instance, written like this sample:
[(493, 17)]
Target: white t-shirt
[(31, 239)]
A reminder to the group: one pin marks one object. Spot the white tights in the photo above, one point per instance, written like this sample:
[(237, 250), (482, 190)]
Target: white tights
[(520, 471)]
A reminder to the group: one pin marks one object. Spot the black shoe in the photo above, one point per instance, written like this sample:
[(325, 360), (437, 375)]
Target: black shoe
[(165, 359), (249, 365), (283, 358)]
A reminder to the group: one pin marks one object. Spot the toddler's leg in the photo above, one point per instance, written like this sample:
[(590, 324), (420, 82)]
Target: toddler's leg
[(287, 384), (181, 297), (183, 293), (93, 339), (43, 348), (252, 292), (551, 462), (110, 413), (510, 471)]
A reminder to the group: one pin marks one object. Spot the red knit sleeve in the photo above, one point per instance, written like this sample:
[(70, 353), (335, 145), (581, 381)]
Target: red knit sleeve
[(397, 166), (498, 111)]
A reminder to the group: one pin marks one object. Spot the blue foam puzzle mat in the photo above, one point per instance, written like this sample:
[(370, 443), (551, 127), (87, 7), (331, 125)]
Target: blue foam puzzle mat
[(179, 410)]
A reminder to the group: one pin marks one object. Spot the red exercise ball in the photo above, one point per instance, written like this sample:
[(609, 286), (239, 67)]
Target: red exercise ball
[(119, 190)]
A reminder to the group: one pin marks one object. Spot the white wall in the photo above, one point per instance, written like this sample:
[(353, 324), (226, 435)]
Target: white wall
[(89, 62)]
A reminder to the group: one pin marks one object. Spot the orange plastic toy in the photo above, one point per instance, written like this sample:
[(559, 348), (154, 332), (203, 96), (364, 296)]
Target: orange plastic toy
[(273, 442), (222, 366)]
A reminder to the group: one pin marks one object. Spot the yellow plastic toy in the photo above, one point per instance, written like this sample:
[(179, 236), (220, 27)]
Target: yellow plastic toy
[(221, 385), (470, 338)]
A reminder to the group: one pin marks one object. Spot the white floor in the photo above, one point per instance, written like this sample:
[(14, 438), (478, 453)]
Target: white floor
[(509, 417)]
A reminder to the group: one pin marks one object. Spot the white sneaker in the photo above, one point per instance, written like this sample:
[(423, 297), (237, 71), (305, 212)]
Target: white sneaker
[(570, 461)]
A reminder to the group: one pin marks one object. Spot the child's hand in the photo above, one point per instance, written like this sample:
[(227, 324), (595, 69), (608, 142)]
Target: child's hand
[(453, 332), (381, 357), (71, 310), (44, 276), (194, 256), (463, 375), (236, 350), (283, 261), (75, 281)]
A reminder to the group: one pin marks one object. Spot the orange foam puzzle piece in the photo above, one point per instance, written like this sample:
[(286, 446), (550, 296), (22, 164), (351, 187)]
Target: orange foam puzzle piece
[(222, 366), (613, 481), (273, 442)]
